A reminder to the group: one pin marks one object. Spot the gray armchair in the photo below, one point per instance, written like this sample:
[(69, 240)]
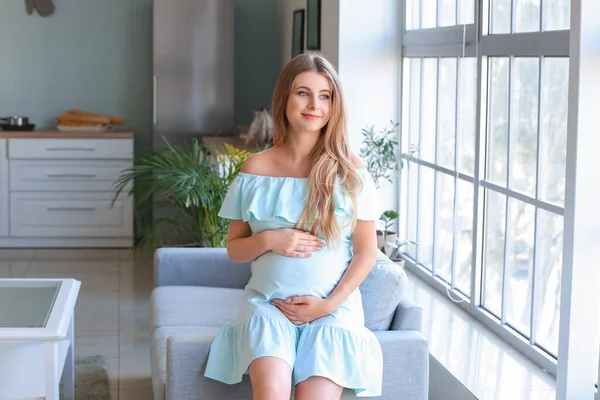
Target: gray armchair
[(199, 290)]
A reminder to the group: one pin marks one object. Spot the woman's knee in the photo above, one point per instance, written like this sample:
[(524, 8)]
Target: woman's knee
[(271, 378), (317, 387)]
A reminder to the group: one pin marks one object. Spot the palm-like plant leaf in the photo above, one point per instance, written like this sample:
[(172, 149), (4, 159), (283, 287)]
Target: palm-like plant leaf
[(188, 181)]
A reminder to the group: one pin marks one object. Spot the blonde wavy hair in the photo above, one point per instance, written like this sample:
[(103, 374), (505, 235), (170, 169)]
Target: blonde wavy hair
[(329, 159)]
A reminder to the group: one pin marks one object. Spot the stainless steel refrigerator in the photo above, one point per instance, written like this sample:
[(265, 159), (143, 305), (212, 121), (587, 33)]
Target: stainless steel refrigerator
[(193, 69), (193, 72)]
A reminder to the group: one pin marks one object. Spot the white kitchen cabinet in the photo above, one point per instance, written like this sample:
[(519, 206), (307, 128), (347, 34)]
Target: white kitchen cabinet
[(4, 195), (70, 149), (65, 175), (59, 190), (66, 214)]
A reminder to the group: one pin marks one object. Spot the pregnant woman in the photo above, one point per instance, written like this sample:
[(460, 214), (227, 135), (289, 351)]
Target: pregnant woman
[(304, 213)]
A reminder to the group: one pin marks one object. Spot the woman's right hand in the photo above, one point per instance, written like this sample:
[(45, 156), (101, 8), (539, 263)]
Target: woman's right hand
[(292, 242)]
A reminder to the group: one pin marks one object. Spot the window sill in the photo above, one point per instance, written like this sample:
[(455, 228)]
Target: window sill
[(461, 347)]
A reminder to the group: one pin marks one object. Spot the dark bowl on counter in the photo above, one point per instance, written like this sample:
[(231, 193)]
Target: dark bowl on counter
[(28, 127)]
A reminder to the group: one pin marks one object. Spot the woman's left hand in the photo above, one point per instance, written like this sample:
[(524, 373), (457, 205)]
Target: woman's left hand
[(302, 309)]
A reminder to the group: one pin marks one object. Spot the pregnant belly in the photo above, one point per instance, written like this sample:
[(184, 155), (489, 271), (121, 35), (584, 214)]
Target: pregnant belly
[(277, 276)]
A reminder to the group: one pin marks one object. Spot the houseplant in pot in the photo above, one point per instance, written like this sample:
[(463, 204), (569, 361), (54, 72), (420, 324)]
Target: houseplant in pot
[(186, 181), (387, 235), (379, 151)]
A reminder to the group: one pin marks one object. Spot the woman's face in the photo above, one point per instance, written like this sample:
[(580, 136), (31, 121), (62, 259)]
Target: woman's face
[(309, 103)]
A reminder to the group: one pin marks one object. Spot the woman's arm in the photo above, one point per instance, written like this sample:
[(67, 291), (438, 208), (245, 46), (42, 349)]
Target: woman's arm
[(364, 241), (243, 246)]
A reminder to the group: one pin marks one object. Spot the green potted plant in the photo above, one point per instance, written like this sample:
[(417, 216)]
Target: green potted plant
[(379, 151), (386, 235), (185, 179)]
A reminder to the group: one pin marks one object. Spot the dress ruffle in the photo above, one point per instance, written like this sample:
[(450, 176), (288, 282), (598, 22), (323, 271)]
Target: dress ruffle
[(350, 358), (266, 198), (236, 346)]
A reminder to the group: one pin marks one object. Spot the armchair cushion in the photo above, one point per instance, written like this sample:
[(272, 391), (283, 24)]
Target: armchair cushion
[(193, 306), (381, 293)]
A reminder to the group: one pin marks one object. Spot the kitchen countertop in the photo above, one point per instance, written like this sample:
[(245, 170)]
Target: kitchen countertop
[(49, 134)]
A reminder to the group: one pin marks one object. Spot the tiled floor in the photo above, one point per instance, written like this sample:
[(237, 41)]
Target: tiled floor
[(111, 315)]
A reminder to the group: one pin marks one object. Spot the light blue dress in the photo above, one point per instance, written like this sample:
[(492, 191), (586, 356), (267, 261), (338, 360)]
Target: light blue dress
[(337, 346)]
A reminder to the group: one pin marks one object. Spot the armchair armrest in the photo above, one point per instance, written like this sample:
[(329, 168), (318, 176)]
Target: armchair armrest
[(408, 316), (405, 365), (199, 267), (187, 356)]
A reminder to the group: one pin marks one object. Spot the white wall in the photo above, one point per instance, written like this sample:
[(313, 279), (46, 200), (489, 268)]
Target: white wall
[(369, 62)]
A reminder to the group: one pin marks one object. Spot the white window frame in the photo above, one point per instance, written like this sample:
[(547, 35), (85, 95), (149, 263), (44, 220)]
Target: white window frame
[(579, 331), (469, 41)]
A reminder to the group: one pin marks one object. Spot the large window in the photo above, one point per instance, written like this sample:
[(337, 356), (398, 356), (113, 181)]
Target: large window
[(484, 134)]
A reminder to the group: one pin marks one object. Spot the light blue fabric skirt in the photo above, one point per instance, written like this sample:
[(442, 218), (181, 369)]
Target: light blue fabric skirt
[(333, 347)]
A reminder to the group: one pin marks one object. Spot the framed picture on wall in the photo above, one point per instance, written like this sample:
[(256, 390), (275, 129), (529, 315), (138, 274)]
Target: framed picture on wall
[(298, 33), (313, 24)]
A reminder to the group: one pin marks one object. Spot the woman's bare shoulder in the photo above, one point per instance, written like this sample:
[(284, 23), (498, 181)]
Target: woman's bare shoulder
[(260, 163), (356, 161)]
